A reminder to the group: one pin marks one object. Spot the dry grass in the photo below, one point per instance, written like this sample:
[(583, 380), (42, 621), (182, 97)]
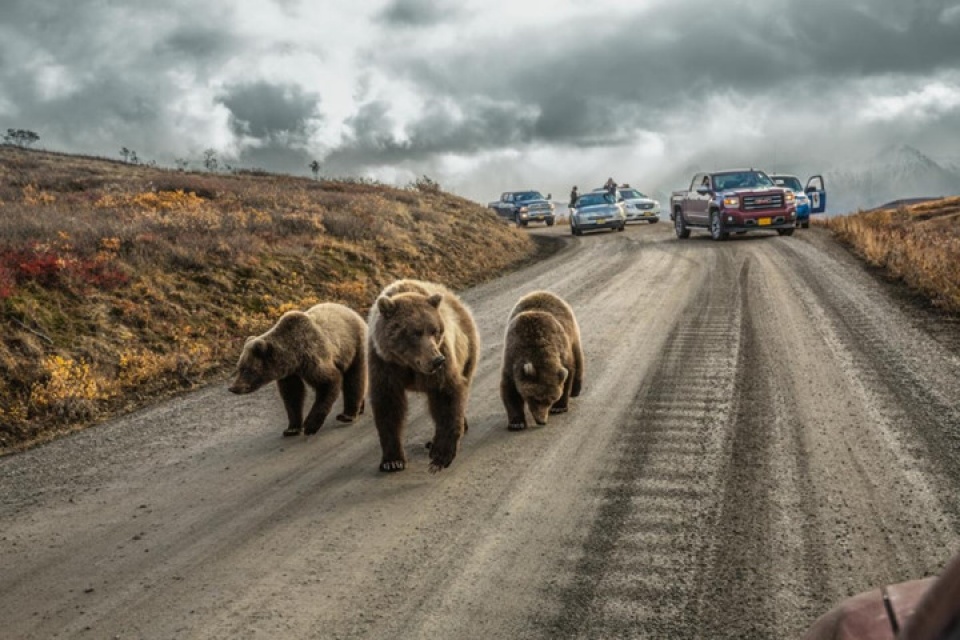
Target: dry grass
[(919, 244), (120, 284)]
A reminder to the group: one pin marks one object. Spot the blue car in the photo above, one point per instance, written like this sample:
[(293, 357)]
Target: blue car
[(812, 199)]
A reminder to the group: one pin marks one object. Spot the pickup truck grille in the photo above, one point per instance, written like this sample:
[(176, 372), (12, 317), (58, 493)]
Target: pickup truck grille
[(542, 207), (763, 202)]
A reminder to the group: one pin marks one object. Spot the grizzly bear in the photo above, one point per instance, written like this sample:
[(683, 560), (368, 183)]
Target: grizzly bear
[(542, 359), (324, 347), (421, 338)]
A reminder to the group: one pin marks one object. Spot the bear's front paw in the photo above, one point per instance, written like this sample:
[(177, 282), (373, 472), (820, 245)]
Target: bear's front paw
[(393, 465), (440, 460), (312, 428), (517, 426), (291, 431), (342, 417), (555, 410)]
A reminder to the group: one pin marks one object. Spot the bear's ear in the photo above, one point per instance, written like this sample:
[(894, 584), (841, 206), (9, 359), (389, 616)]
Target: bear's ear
[(249, 340), (386, 305), (562, 374), (435, 300), (262, 348), (529, 370)]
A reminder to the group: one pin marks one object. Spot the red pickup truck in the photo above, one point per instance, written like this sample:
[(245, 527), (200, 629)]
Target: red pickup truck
[(735, 201)]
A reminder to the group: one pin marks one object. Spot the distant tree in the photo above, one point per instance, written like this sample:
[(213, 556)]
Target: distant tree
[(125, 154), (315, 168), (182, 164), (20, 137), (210, 159), (133, 157)]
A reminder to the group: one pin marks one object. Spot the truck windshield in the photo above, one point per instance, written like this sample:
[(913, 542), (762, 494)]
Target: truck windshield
[(790, 182), (523, 196), (741, 180)]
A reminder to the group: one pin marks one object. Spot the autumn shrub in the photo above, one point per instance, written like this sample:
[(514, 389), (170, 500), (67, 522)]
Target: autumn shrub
[(919, 244), (124, 283)]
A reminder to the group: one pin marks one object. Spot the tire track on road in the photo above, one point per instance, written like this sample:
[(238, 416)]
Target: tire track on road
[(639, 576)]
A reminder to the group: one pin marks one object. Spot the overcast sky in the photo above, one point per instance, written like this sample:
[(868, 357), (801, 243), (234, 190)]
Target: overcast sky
[(486, 96)]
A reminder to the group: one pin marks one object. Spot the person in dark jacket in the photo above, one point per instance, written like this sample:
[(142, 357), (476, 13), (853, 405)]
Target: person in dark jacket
[(574, 194)]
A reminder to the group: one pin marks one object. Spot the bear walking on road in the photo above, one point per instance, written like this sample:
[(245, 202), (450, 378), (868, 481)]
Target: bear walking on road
[(421, 338), (542, 359), (324, 347)]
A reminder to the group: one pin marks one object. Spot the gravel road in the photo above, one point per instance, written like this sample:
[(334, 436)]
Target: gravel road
[(765, 428)]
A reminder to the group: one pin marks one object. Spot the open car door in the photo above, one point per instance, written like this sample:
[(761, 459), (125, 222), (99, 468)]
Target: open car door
[(817, 193)]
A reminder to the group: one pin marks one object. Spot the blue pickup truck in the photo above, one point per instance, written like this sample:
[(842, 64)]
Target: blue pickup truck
[(524, 207)]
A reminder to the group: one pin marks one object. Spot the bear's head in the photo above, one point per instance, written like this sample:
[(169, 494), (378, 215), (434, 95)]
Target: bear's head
[(259, 364), (410, 331), (541, 385)]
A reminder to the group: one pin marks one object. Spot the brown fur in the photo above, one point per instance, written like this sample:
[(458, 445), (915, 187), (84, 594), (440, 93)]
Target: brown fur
[(324, 347), (542, 359), (422, 338)]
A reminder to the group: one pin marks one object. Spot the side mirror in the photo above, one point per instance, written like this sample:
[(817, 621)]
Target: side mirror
[(549, 196)]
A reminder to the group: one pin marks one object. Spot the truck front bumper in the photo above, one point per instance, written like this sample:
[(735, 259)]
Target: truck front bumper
[(738, 221)]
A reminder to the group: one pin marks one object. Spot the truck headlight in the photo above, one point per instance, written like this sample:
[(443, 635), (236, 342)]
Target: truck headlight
[(523, 209), (791, 197), (731, 202)]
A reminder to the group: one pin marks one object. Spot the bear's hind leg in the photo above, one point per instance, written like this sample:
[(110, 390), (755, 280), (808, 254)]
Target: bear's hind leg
[(354, 389), (292, 391), (327, 393)]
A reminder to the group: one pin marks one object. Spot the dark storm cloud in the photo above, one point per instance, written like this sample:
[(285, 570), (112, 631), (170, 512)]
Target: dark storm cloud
[(96, 76), (271, 111), (472, 126), (416, 13), (599, 81)]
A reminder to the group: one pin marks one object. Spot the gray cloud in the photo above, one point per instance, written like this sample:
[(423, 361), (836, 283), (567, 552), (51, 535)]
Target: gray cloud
[(417, 13), (271, 111), (478, 102)]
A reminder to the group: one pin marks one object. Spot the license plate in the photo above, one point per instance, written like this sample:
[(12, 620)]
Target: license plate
[(600, 220), (763, 222)]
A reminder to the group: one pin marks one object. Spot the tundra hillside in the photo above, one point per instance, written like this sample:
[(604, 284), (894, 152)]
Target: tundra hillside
[(918, 244), (123, 283)]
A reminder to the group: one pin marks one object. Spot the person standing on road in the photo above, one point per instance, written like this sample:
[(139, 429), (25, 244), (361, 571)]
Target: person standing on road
[(574, 194)]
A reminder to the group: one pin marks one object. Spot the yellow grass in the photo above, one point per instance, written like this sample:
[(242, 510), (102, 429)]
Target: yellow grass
[(120, 284), (919, 244)]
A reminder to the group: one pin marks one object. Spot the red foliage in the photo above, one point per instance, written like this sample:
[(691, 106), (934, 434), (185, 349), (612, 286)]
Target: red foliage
[(50, 269)]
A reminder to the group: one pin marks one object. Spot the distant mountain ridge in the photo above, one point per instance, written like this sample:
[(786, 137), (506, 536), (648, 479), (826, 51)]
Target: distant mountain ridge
[(896, 173)]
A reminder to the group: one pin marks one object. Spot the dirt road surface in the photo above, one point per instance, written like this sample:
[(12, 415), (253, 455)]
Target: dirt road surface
[(765, 428)]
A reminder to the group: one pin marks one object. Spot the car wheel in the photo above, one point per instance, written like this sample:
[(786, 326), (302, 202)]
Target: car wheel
[(573, 230), (550, 223), (680, 226), (716, 226), (654, 220), (805, 225), (786, 232), (622, 227)]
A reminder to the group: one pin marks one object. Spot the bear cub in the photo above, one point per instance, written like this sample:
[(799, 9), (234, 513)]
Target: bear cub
[(324, 347), (542, 359), (422, 338)]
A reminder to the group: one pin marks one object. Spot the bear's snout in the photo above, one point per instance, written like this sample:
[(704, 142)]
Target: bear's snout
[(437, 362), (238, 388)]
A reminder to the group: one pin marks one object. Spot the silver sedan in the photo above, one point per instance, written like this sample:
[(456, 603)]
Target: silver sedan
[(597, 210)]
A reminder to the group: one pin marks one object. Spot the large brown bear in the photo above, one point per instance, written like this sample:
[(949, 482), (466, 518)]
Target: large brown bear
[(542, 359), (324, 347), (422, 338)]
